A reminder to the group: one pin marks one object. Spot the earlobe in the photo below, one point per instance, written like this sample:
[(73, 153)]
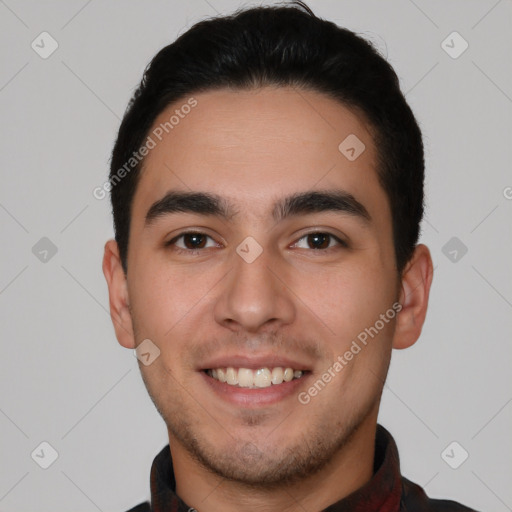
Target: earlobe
[(415, 290), (118, 295)]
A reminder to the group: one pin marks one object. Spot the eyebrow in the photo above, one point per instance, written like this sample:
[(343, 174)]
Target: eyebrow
[(301, 203)]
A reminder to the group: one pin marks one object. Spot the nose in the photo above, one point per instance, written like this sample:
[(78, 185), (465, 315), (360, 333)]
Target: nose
[(255, 295)]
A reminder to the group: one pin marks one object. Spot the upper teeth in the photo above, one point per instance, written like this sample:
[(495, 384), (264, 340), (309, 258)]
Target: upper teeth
[(261, 378)]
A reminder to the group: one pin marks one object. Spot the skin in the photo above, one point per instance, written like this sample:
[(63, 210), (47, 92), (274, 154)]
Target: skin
[(254, 147)]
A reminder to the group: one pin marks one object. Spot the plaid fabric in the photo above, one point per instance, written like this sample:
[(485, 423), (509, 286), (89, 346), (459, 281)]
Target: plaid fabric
[(387, 491)]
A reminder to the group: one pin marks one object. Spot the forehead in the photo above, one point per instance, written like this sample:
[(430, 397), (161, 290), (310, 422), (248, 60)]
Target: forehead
[(248, 145)]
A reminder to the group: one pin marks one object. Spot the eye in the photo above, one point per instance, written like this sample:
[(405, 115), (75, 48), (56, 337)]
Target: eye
[(319, 240), (192, 241)]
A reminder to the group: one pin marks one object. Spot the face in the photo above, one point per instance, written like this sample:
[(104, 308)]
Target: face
[(245, 278)]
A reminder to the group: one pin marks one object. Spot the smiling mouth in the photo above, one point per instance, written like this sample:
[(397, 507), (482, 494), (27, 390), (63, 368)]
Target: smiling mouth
[(255, 379)]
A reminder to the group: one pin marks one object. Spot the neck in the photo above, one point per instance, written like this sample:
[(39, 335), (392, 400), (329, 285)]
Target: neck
[(347, 471)]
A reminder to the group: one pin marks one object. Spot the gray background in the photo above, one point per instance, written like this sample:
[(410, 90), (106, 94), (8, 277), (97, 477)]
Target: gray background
[(64, 378)]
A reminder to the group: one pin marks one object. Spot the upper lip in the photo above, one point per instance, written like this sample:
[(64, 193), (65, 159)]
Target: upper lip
[(253, 362)]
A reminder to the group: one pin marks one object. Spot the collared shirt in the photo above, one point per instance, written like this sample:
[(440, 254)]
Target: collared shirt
[(387, 491)]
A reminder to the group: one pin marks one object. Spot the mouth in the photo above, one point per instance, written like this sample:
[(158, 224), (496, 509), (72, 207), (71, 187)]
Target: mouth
[(255, 378)]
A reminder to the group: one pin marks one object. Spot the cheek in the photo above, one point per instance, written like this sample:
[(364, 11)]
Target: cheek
[(157, 300), (167, 301), (356, 295), (351, 304)]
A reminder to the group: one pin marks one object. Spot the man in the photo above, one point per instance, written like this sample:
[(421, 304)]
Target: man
[(267, 192)]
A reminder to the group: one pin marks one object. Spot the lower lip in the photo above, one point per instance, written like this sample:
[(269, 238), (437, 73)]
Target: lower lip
[(254, 397)]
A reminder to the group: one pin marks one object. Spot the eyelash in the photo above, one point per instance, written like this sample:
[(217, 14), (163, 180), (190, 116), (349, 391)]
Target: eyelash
[(179, 250)]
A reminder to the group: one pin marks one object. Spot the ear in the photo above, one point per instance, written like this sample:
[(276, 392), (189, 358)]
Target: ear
[(118, 295), (416, 281)]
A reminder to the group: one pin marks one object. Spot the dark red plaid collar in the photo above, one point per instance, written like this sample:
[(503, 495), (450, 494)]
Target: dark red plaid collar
[(382, 493)]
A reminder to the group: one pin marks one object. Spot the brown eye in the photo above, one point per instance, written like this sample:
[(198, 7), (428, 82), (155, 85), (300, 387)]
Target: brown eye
[(194, 240), (320, 241), (189, 242)]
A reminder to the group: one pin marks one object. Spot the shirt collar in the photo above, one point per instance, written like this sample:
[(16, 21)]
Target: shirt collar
[(382, 493)]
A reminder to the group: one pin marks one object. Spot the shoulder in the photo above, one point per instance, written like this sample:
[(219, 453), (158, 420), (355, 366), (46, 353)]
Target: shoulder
[(142, 507), (414, 499)]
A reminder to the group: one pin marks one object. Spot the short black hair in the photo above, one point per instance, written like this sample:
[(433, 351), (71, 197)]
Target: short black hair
[(285, 45)]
